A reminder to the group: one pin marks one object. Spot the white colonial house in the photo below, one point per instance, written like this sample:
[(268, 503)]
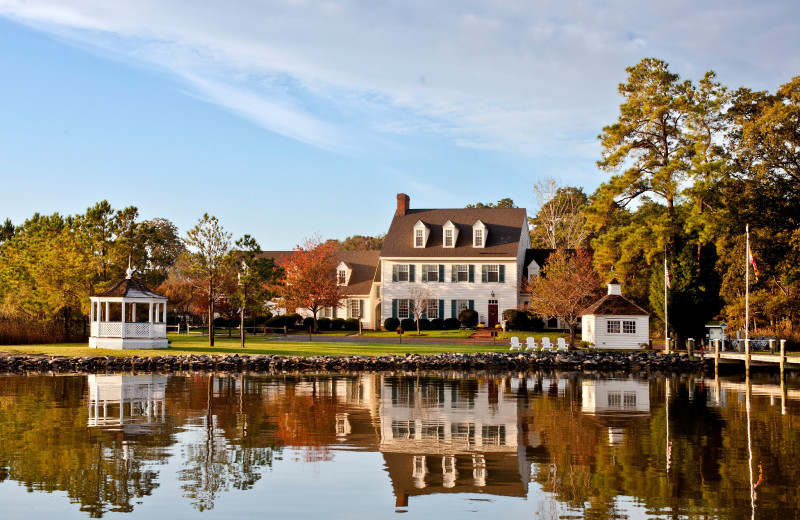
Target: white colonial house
[(465, 258), (614, 322)]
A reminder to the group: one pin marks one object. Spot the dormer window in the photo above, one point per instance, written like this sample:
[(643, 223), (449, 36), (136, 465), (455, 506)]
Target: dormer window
[(450, 234), (421, 234), (479, 234), (343, 274)]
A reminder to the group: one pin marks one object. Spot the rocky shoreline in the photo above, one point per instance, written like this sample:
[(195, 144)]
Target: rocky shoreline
[(578, 361)]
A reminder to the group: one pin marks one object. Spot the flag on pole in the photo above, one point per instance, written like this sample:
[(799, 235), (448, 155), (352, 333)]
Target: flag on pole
[(666, 277), (753, 263)]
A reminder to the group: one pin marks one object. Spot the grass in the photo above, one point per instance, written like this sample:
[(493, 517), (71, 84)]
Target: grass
[(184, 345)]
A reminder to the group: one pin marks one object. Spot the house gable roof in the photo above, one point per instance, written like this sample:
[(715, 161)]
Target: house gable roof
[(504, 227)]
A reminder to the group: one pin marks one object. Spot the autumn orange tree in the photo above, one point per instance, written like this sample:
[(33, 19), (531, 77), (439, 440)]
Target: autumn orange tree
[(567, 285), (310, 277)]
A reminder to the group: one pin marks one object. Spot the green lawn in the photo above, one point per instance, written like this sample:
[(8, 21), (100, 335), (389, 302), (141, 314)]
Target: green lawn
[(257, 345)]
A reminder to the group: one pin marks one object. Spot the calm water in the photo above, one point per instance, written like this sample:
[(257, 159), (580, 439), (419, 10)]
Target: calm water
[(535, 445)]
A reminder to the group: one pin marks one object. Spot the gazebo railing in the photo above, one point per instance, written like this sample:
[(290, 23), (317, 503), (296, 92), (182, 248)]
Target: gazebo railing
[(114, 329)]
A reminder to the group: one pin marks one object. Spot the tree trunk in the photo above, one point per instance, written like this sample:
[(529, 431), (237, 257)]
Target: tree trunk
[(571, 336), (241, 327), (210, 315), (66, 324)]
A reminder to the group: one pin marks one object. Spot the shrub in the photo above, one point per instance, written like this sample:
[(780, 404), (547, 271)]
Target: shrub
[(408, 324), (324, 324), (451, 324), (226, 322), (437, 324), (337, 324), (391, 324), (308, 323), (535, 323), (424, 324), (275, 322), (351, 324), (468, 317), (292, 320)]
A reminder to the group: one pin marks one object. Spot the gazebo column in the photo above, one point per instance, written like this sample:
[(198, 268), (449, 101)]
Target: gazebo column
[(150, 319), (122, 334), (133, 312), (107, 311)]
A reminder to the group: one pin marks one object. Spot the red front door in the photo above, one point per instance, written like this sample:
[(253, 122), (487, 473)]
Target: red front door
[(492, 313)]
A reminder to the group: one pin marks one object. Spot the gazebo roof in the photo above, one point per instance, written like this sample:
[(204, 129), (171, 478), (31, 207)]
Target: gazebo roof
[(130, 288)]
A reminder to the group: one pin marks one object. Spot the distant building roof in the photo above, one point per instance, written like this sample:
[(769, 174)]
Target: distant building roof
[(364, 266), (130, 288)]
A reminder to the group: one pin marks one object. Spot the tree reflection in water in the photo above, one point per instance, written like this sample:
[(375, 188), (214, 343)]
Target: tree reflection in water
[(576, 445)]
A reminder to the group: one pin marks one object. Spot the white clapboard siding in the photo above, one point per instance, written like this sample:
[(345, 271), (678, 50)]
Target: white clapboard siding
[(505, 293), (594, 330)]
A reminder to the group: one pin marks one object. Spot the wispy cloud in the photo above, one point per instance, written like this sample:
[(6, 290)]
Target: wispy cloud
[(528, 77)]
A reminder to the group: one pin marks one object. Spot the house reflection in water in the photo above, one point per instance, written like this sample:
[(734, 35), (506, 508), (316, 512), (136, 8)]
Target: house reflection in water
[(451, 436), (131, 404), (615, 403)]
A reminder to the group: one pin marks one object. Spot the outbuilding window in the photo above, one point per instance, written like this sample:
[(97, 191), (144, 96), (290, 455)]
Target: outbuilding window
[(612, 326), (629, 327)]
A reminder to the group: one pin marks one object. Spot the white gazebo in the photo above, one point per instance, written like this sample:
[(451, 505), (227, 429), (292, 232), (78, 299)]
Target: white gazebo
[(128, 316)]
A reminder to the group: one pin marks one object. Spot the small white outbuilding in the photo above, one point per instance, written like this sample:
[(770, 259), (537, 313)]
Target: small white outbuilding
[(614, 322)]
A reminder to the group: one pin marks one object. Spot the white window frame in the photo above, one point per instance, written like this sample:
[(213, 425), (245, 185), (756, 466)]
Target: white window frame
[(477, 240), (341, 277), (432, 272), (432, 309), (327, 312), (629, 327), (613, 327), (419, 237), (448, 237), (493, 271), (462, 269), (354, 306), (461, 305), (403, 270), (403, 307)]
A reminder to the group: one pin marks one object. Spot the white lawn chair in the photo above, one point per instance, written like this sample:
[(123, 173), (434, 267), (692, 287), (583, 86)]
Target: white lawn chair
[(546, 345), (515, 343), (531, 344), (562, 345)]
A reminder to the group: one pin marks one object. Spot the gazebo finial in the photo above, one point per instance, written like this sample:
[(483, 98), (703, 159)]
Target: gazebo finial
[(129, 271)]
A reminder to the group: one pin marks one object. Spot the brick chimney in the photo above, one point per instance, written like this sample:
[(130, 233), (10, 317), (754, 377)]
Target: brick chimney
[(403, 201)]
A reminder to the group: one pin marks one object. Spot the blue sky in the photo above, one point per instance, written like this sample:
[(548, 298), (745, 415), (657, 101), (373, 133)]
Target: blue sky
[(290, 118)]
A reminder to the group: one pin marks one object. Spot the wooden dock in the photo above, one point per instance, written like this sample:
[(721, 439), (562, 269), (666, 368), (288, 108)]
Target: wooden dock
[(749, 359)]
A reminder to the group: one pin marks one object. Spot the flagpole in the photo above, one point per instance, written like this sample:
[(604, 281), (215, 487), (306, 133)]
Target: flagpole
[(747, 284), (666, 319)]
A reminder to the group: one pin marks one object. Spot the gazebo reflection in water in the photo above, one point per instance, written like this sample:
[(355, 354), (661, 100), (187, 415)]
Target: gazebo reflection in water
[(132, 404)]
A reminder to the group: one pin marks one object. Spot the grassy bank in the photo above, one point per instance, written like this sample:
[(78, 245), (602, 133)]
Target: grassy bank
[(183, 345)]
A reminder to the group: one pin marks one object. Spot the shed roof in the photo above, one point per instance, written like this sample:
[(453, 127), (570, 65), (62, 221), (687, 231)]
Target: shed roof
[(614, 305)]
